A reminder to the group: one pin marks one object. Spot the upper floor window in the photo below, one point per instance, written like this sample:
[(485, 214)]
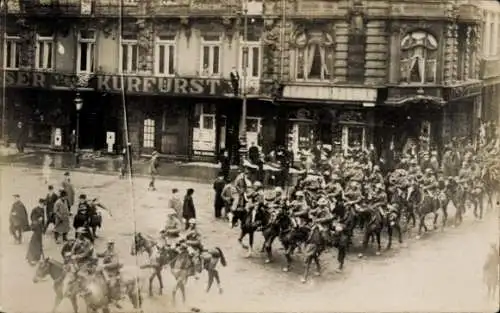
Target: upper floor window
[(251, 59), (129, 55), (211, 55), (165, 55), (11, 52), (314, 56), (86, 52), (419, 52), (45, 52)]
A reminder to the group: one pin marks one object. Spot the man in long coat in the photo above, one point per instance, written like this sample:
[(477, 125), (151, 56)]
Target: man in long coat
[(188, 209), (18, 219), (35, 248), (68, 188), (50, 200), (62, 214), (219, 201)]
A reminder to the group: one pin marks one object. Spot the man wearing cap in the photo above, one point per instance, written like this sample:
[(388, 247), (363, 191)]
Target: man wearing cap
[(353, 195), (18, 219), (218, 186), (153, 170), (173, 227), (111, 271), (429, 182), (229, 195), (80, 254), (193, 237), (299, 209), (379, 199), (188, 209), (62, 214), (95, 216), (68, 188), (321, 217), (334, 188), (279, 197), (50, 200), (82, 216)]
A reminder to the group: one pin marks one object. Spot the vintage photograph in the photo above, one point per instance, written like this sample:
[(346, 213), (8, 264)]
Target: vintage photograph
[(249, 156)]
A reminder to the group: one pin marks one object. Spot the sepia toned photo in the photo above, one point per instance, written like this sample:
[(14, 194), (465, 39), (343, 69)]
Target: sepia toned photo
[(249, 156)]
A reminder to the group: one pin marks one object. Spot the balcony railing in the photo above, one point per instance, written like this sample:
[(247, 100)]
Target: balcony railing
[(46, 7)]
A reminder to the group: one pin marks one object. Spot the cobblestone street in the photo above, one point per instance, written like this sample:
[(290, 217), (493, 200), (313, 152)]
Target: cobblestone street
[(441, 272)]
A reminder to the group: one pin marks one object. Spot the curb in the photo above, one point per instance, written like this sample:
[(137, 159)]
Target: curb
[(103, 172)]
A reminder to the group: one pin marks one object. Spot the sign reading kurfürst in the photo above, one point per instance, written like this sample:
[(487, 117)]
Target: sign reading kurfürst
[(163, 85), (131, 84)]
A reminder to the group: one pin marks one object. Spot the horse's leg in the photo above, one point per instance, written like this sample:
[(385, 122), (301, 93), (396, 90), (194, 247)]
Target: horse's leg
[(182, 288), (160, 278), (436, 215), (215, 274), (389, 236), (377, 236), (421, 225), (342, 252), (480, 200), (74, 304), (400, 235), (308, 260), (243, 233), (210, 280), (250, 243), (153, 275), (366, 238), (318, 265), (57, 301), (288, 257), (445, 216)]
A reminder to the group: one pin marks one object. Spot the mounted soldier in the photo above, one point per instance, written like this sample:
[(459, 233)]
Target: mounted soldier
[(299, 210), (353, 196), (80, 255), (379, 199), (95, 216), (110, 270), (172, 229), (82, 218), (193, 238), (334, 188), (321, 218)]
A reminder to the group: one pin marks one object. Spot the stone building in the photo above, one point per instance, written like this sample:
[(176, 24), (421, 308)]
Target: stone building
[(346, 72), (490, 52)]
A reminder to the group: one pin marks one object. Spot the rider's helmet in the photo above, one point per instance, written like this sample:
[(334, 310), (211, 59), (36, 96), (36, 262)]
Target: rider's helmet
[(111, 242), (354, 185), (322, 201), (278, 190), (335, 177), (428, 171), (192, 221), (299, 193), (338, 228), (257, 184), (379, 186), (376, 168)]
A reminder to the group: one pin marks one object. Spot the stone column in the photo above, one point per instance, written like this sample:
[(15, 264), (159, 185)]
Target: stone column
[(477, 46), (145, 40), (28, 45), (468, 50), (449, 65)]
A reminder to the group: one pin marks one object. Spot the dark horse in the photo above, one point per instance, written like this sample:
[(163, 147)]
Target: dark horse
[(279, 222), (426, 206), (159, 257), (458, 196), (373, 228), (250, 222)]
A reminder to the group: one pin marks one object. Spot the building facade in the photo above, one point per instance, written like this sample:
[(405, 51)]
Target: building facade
[(345, 72), (490, 52)]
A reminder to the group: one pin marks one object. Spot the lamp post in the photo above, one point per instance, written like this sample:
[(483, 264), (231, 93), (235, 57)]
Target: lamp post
[(243, 119), (78, 105)]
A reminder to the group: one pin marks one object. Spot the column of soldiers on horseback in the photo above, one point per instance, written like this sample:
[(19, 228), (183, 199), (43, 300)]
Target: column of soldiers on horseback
[(337, 194)]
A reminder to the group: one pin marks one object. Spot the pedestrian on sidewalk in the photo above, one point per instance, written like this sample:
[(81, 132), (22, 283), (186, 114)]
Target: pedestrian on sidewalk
[(46, 169), (126, 155), (35, 247), (18, 219), (218, 186), (188, 209), (62, 214), (225, 164), (68, 188), (153, 170), (50, 200), (21, 137), (175, 203)]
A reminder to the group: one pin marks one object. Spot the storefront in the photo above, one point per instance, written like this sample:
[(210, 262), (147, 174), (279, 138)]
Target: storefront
[(342, 117)]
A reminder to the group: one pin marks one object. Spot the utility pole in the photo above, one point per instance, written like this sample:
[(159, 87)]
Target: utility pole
[(3, 29), (243, 119)]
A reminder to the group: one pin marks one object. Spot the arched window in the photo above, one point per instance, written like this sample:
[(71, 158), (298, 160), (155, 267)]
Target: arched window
[(314, 56), (418, 58)]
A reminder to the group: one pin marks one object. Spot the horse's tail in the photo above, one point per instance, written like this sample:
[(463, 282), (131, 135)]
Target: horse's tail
[(223, 260)]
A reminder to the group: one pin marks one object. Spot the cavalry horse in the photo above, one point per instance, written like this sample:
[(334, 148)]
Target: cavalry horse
[(457, 195), (491, 274), (491, 186), (427, 205), (250, 222), (279, 222), (93, 288), (158, 257), (183, 266)]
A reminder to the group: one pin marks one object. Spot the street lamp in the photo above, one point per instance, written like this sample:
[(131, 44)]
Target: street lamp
[(78, 105), (243, 119)]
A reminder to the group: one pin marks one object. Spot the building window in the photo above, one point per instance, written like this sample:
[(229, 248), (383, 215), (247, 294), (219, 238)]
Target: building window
[(419, 52), (252, 60), (45, 53), (492, 39), (314, 56), (353, 137), (11, 52), (211, 55), (149, 133), (165, 55), (86, 52), (129, 56)]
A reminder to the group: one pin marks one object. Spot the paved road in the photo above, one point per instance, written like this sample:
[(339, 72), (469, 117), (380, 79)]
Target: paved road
[(440, 272)]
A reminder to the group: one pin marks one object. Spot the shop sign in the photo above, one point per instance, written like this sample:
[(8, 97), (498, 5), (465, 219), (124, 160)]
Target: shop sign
[(331, 93), (163, 85), (464, 91), (27, 79)]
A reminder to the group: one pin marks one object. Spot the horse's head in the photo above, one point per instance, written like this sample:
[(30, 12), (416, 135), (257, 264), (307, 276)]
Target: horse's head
[(392, 218), (42, 270)]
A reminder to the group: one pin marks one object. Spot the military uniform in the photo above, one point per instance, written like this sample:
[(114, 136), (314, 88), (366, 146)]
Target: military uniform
[(299, 210), (353, 197), (111, 271), (193, 240), (172, 229), (321, 218), (379, 199)]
